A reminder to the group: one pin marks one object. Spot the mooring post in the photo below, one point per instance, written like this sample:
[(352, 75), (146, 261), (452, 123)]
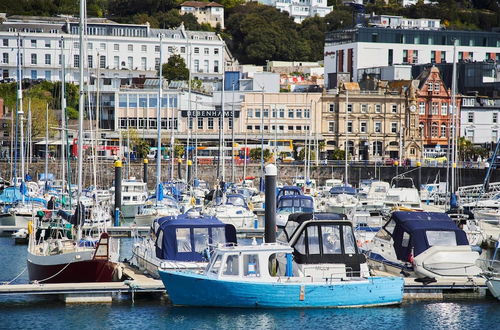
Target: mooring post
[(179, 169), (270, 208), (189, 171), (118, 191), (145, 171)]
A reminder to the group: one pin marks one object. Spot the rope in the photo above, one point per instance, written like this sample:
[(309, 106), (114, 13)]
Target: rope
[(50, 277), (15, 278)]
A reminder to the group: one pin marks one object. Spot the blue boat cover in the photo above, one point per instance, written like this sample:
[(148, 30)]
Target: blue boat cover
[(343, 190), (289, 191), (11, 195), (416, 225), (306, 203), (189, 247)]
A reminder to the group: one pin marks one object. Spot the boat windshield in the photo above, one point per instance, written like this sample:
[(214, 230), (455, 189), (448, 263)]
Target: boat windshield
[(441, 238), (236, 201), (293, 205)]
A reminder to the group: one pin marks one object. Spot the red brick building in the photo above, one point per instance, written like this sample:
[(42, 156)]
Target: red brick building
[(434, 108)]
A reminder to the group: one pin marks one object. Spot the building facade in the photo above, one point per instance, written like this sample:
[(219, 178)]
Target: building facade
[(368, 47), (480, 122), (374, 123), (113, 50), (205, 12), (299, 10)]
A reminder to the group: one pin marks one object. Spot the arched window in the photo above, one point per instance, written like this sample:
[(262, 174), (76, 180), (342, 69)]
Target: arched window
[(421, 127), (443, 130), (434, 129)]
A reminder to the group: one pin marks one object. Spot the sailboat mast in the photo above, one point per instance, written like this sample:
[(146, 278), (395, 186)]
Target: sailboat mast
[(346, 173), (20, 113), (453, 118), (158, 126), (222, 123), (63, 117), (46, 145), (81, 102)]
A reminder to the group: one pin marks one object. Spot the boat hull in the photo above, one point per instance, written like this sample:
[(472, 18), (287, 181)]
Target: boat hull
[(15, 220), (375, 291), (494, 286), (77, 272)]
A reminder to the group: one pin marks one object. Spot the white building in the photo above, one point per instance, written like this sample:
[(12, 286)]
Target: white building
[(300, 9), (368, 47), (205, 12), (113, 50), (400, 22), (480, 119), (407, 3)]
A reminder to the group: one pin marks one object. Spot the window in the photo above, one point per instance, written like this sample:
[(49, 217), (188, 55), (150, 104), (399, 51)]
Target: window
[(47, 44), (331, 126), (299, 113), (116, 47), (331, 239), (216, 66), (441, 238), (378, 127), (33, 59), (130, 47), (196, 50), (200, 123), (76, 61), (132, 100), (332, 107), (266, 113), (143, 100), (364, 108), (421, 108), (216, 51), (394, 127), (249, 127), (231, 266), (290, 113), (282, 113), (444, 109), (90, 61), (249, 113), (468, 102), (434, 129), (5, 58), (298, 128), (122, 100), (313, 239), (495, 117), (349, 241), (102, 45), (116, 62), (406, 239), (205, 66), (144, 48), (102, 62), (443, 130), (157, 63), (251, 265), (394, 108), (363, 126), (307, 113), (349, 107), (274, 112), (349, 126), (153, 100), (34, 74), (130, 61), (437, 86), (435, 108), (197, 65), (183, 50), (33, 43), (6, 42), (206, 51), (210, 123), (214, 269), (170, 49), (48, 75), (290, 128), (470, 117), (144, 65), (281, 127), (257, 113), (378, 108), (494, 135)]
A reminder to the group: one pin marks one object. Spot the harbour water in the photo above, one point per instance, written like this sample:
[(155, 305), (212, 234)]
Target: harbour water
[(154, 312)]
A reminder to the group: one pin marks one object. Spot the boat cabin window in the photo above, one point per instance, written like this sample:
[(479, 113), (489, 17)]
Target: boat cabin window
[(251, 265), (183, 236), (313, 239), (349, 241), (216, 265), (300, 244), (406, 239), (331, 240), (231, 266), (200, 239), (236, 201), (441, 238), (218, 235)]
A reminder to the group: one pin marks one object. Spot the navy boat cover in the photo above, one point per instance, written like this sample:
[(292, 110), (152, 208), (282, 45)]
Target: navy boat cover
[(289, 202), (189, 247), (416, 225), (343, 190)]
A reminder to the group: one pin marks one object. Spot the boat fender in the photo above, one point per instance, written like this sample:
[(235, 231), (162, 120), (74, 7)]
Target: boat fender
[(30, 227), (476, 248), (118, 274)]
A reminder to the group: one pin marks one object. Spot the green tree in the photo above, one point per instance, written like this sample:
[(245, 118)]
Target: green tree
[(175, 68), (137, 144), (338, 154), (255, 154), (311, 155)]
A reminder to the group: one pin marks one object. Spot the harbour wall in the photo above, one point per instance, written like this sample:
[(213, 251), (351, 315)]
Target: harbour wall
[(286, 172)]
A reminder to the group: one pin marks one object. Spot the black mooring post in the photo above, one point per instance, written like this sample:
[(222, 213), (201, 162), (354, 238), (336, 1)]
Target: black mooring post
[(145, 171), (270, 199), (118, 191)]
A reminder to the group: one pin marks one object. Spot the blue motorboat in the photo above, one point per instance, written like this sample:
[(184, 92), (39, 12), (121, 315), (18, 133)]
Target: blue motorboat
[(277, 275), (290, 204), (289, 191), (181, 242)]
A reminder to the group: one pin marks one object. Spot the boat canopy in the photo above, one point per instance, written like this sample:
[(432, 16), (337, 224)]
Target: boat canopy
[(289, 191), (417, 231), (11, 195), (295, 203), (296, 219), (236, 200), (343, 190), (187, 237), (325, 239)]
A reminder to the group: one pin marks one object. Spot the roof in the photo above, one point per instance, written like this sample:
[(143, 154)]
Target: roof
[(200, 4), (351, 86)]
